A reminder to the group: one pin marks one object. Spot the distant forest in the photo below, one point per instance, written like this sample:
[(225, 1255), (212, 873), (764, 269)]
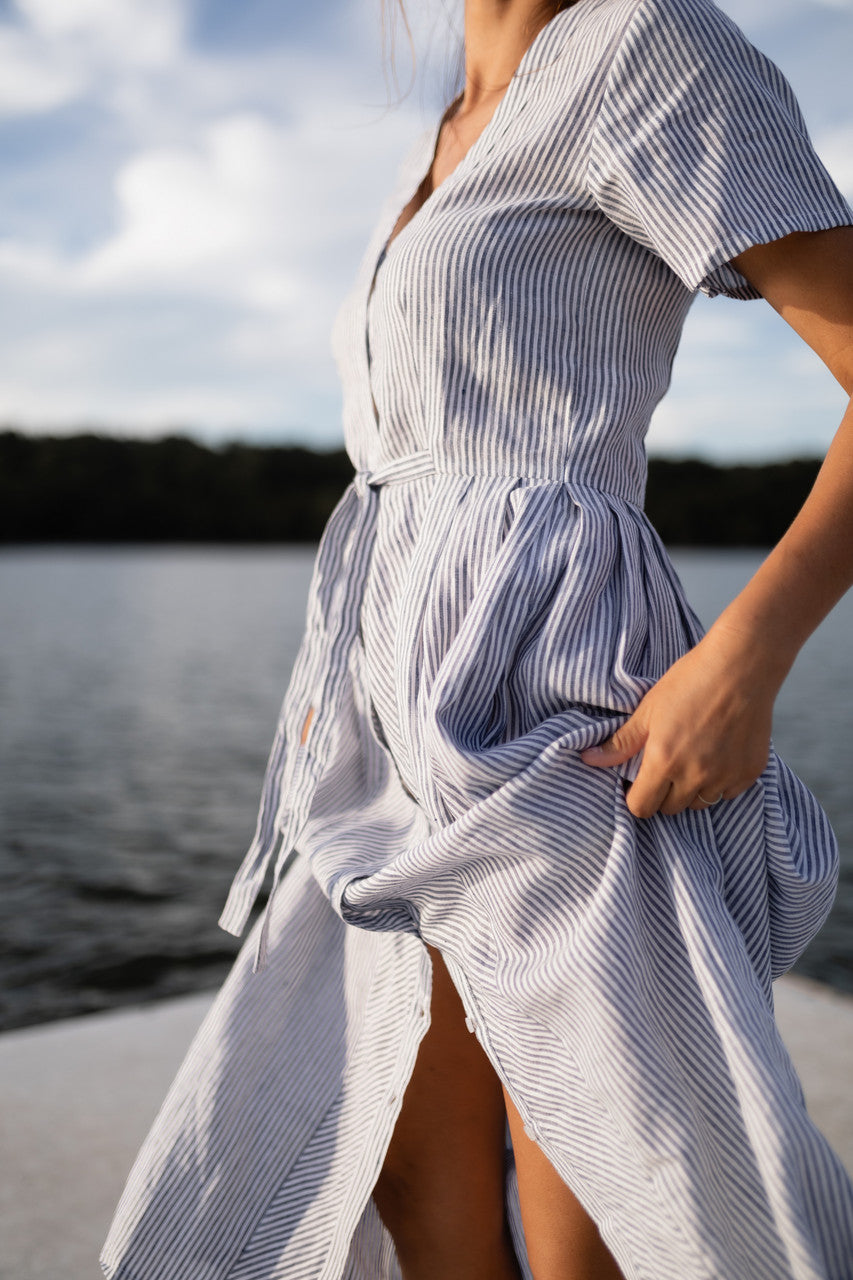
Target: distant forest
[(92, 488)]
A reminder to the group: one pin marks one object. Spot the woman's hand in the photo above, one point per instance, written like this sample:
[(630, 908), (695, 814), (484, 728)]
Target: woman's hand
[(703, 729)]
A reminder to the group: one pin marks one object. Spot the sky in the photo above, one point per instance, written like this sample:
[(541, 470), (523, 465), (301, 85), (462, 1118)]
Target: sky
[(187, 188)]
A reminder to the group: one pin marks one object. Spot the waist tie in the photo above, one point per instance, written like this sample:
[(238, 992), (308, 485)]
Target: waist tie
[(318, 680)]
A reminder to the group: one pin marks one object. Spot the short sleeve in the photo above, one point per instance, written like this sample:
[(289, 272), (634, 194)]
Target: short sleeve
[(699, 150)]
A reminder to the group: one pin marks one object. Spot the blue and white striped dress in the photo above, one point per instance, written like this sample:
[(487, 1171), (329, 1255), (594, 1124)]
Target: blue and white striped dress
[(488, 601)]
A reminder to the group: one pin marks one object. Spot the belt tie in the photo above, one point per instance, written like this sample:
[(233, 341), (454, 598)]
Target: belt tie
[(318, 681)]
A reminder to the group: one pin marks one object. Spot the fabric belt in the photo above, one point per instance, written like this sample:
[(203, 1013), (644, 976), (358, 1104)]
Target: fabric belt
[(318, 681), (410, 466)]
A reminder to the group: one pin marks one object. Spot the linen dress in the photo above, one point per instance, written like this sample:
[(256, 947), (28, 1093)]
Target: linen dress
[(488, 601)]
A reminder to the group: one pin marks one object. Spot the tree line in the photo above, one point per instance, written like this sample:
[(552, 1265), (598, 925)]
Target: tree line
[(96, 488)]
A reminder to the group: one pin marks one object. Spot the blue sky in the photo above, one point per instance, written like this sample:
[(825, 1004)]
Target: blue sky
[(188, 185)]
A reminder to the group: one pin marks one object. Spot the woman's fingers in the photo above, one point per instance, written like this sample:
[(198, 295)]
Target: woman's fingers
[(690, 798), (626, 742), (645, 798), (662, 795), (699, 802), (701, 733)]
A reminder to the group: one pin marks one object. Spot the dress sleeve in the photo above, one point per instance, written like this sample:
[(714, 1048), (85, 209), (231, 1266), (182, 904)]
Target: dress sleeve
[(700, 151)]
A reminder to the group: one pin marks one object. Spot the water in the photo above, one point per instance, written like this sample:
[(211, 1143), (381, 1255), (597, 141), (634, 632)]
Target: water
[(139, 690)]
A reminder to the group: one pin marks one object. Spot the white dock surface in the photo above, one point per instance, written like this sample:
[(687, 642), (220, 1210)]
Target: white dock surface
[(77, 1097)]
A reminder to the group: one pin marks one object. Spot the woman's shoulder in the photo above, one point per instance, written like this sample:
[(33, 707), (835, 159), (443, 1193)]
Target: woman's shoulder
[(699, 149), (698, 26), (690, 15), (654, 49), (690, 53)]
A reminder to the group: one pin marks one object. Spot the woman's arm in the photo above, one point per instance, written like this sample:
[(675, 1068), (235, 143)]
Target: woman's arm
[(705, 726)]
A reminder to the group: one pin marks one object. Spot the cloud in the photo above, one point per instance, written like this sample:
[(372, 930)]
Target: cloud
[(835, 148), (145, 33), (61, 50), (745, 387), (33, 78), (253, 212), (759, 15), (234, 224), (191, 218), (249, 207)]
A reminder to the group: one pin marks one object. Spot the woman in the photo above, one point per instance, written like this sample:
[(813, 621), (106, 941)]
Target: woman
[(507, 755)]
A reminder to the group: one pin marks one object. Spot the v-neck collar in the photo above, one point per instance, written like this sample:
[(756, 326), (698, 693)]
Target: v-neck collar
[(547, 43)]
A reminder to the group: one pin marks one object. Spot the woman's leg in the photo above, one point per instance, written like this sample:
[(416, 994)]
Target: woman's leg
[(441, 1190), (562, 1240)]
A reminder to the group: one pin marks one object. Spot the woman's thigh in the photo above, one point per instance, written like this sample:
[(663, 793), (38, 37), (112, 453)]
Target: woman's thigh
[(563, 1242), (441, 1191)]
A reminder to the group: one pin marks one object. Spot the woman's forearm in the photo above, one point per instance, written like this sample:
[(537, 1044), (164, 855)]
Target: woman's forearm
[(807, 572)]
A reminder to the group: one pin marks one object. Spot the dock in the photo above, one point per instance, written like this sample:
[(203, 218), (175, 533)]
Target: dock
[(78, 1097)]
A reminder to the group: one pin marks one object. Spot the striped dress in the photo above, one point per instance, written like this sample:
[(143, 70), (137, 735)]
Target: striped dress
[(488, 601)]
